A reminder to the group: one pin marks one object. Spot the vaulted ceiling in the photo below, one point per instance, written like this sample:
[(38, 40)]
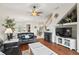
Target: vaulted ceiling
[(21, 11)]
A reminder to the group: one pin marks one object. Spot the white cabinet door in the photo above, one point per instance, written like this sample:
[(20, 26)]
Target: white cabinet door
[(67, 43), (59, 40), (73, 44)]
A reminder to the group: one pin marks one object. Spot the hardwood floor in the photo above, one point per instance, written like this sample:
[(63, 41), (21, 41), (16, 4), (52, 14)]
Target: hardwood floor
[(24, 47), (61, 50)]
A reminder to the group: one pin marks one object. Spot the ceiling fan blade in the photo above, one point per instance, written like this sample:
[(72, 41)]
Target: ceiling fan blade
[(39, 12)]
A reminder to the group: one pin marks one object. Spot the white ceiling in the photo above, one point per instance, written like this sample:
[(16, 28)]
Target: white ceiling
[(20, 11)]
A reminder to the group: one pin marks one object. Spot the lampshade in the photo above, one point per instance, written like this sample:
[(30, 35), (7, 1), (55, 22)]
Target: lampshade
[(8, 30)]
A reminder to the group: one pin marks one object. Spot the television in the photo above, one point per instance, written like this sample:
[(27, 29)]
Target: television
[(64, 32)]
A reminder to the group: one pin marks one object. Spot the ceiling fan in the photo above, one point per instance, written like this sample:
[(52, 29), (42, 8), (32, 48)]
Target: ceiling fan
[(35, 12)]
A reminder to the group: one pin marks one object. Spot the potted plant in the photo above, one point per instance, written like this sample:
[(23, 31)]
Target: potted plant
[(9, 23)]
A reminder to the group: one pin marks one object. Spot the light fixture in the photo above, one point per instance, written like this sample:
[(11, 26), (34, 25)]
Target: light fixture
[(56, 15), (35, 11), (8, 30)]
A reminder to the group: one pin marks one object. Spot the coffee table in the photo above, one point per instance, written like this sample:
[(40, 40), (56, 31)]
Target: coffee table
[(40, 49)]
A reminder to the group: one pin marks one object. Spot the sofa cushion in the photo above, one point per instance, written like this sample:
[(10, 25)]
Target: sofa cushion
[(27, 36)]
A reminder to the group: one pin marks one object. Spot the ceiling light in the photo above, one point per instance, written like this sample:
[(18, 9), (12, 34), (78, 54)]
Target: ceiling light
[(35, 9)]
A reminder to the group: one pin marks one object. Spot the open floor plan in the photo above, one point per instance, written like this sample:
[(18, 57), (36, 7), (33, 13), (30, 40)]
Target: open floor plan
[(39, 29)]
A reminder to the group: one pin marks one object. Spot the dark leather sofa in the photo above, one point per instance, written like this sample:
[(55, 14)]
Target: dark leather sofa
[(26, 38), (12, 49)]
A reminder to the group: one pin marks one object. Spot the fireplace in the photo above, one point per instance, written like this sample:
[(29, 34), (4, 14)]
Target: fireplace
[(48, 36)]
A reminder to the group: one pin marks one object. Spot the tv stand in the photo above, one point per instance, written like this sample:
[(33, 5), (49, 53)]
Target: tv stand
[(67, 42)]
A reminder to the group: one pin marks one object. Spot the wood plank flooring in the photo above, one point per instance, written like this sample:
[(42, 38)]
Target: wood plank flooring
[(24, 47), (61, 50)]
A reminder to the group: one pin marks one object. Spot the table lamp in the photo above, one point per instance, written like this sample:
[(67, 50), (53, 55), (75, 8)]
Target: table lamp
[(8, 31)]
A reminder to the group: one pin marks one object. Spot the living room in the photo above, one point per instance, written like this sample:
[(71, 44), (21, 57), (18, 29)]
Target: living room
[(39, 29)]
